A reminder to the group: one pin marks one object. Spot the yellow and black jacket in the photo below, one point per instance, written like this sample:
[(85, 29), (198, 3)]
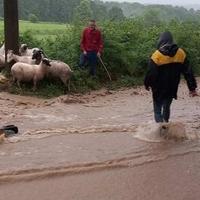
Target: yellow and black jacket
[(165, 68)]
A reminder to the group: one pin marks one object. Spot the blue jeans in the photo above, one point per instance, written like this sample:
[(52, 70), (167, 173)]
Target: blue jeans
[(162, 109), (89, 59)]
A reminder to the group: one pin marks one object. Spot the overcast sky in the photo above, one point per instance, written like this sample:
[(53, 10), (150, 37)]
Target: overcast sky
[(172, 2)]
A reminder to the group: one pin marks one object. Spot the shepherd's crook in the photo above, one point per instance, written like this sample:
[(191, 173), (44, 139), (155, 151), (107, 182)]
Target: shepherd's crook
[(105, 68)]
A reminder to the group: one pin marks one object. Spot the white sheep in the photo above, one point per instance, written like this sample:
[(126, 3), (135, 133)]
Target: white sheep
[(58, 69), (24, 59), (27, 72), (25, 51), (2, 61), (62, 71), (2, 56), (2, 50)]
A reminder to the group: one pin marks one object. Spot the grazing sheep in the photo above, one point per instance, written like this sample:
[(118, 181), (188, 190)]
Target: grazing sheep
[(27, 72), (62, 71), (25, 51), (24, 59), (58, 69)]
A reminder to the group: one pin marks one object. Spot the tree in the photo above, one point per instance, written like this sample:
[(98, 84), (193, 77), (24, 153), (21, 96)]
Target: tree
[(152, 18), (99, 11), (116, 14), (83, 12), (33, 18), (11, 25)]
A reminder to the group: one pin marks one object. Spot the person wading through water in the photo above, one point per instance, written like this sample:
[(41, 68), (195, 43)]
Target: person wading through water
[(91, 46), (166, 65)]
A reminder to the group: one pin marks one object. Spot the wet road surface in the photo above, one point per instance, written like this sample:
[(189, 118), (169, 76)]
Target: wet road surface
[(85, 147)]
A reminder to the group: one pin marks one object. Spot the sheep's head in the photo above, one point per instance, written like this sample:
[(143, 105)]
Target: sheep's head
[(37, 54), (23, 47), (46, 61), (10, 55)]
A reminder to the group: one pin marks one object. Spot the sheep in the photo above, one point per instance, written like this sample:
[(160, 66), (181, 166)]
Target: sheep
[(24, 59), (27, 72), (62, 71), (38, 56), (25, 51), (58, 69), (2, 56), (2, 50), (2, 61)]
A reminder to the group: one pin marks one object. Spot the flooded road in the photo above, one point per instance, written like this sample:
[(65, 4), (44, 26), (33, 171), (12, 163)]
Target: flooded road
[(98, 146)]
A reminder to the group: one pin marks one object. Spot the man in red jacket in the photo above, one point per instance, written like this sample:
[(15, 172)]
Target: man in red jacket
[(91, 46)]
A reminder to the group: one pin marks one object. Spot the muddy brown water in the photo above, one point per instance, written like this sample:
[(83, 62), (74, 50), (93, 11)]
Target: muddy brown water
[(97, 146)]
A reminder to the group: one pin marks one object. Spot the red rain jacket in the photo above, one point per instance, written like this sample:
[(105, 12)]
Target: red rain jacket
[(91, 40)]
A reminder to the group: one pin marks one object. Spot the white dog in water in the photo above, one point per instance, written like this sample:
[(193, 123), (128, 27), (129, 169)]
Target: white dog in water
[(157, 132)]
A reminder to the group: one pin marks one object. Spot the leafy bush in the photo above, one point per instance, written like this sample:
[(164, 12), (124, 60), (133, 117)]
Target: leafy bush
[(33, 18), (127, 47)]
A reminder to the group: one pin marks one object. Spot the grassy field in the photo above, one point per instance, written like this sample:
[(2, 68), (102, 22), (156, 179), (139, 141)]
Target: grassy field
[(40, 30)]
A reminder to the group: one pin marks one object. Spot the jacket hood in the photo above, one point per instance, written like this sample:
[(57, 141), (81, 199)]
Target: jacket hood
[(166, 44)]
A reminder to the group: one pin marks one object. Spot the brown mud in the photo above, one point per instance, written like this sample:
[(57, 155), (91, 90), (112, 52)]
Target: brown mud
[(107, 138)]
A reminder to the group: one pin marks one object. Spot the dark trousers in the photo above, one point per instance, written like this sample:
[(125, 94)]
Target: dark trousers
[(89, 59), (162, 109)]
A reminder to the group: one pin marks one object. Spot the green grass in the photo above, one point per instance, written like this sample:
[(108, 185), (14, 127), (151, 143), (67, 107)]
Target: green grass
[(40, 30)]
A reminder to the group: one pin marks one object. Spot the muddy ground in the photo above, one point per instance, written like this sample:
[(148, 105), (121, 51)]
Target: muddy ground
[(97, 146)]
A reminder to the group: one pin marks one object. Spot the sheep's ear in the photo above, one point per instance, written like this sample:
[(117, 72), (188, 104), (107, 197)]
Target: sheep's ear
[(34, 51), (25, 47)]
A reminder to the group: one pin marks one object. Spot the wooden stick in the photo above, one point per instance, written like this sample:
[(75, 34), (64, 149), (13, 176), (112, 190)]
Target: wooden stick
[(105, 68)]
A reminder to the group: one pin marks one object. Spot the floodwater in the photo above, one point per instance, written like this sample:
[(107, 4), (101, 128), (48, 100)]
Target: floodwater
[(98, 146)]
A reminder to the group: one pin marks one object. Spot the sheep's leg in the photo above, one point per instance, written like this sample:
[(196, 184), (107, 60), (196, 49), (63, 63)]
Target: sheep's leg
[(68, 85), (73, 86), (65, 89), (18, 83), (13, 80), (34, 84), (34, 87), (63, 79)]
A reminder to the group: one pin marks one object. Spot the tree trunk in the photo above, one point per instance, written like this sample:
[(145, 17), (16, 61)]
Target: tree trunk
[(11, 25)]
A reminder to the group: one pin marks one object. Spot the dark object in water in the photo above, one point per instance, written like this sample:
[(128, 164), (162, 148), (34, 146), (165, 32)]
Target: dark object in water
[(9, 130)]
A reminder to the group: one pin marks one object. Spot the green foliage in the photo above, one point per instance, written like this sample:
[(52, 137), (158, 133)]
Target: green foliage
[(127, 47), (33, 18), (83, 12), (28, 38), (99, 11), (152, 18), (115, 14), (43, 30), (63, 10)]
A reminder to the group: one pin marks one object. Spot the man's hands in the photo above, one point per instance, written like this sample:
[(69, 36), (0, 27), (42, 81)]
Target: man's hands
[(193, 93), (98, 54)]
